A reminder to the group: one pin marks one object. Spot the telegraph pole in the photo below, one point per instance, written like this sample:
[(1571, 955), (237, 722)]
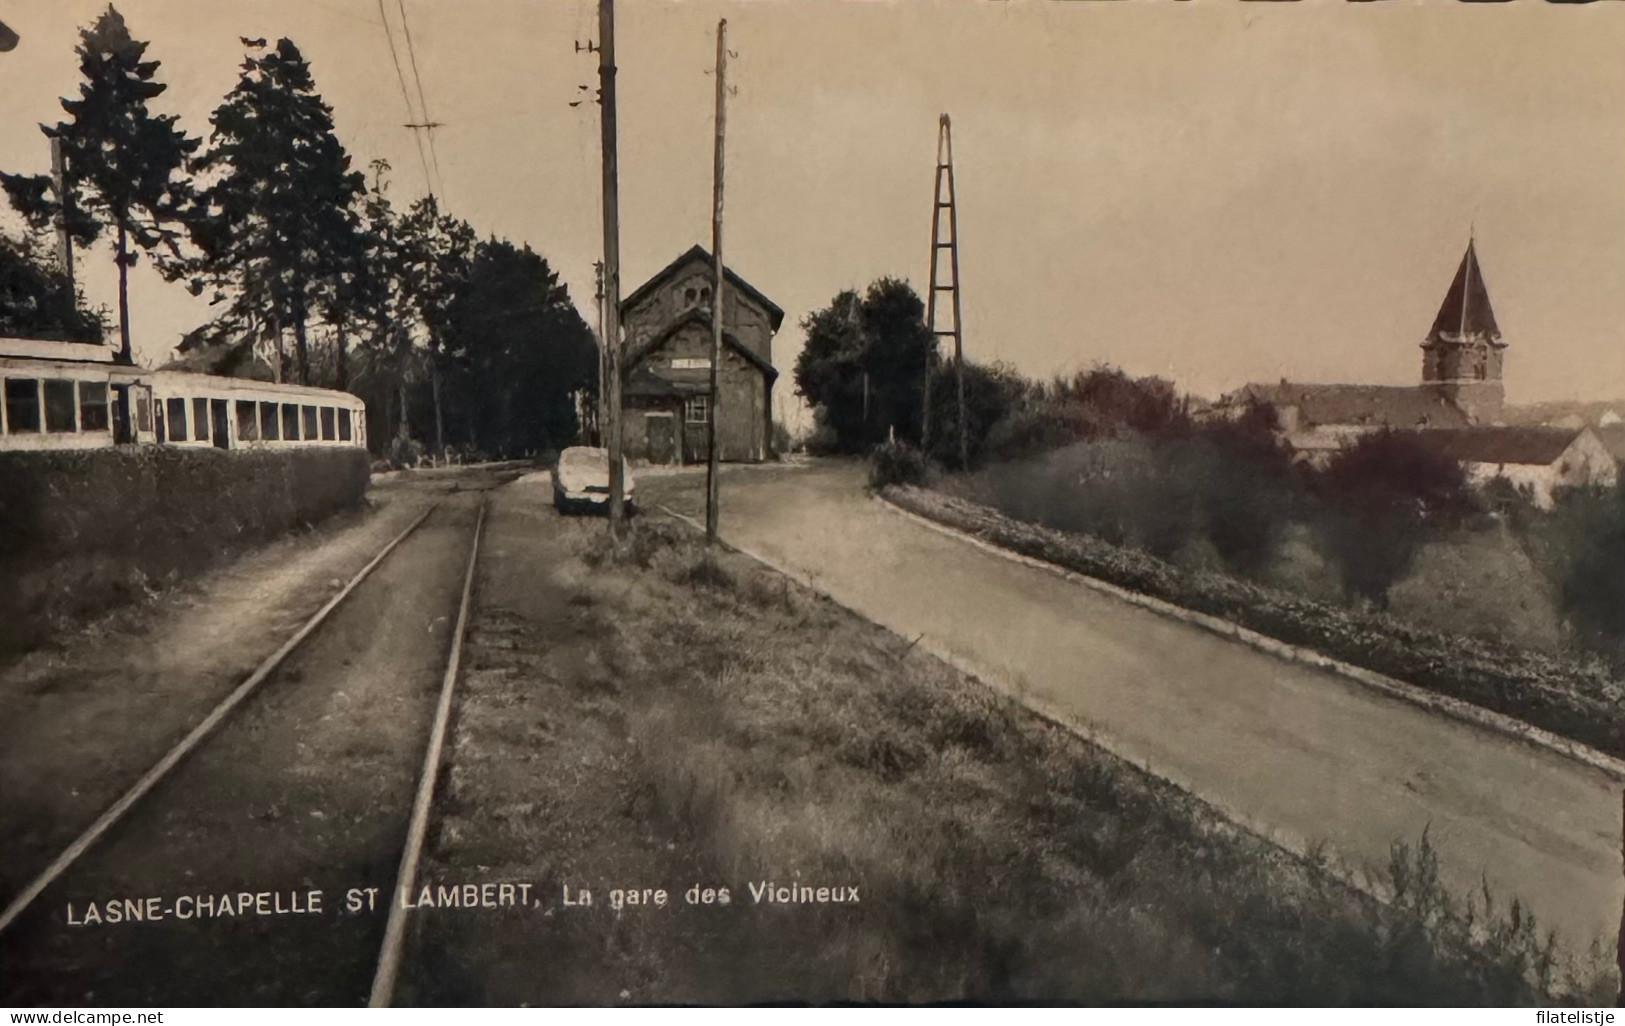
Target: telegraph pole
[(612, 267), (712, 485), (59, 185), (603, 354)]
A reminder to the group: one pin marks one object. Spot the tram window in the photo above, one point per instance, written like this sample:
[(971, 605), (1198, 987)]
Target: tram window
[(143, 410), (61, 407), (92, 406), (176, 409), (268, 422), (311, 431), (200, 419), (22, 405), (290, 422), (248, 427), (344, 425), (327, 424)]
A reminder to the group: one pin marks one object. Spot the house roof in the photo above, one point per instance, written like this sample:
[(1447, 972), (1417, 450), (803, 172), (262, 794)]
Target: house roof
[(1534, 446), (1394, 406), (1465, 314), (1613, 437), (775, 315), (703, 318)]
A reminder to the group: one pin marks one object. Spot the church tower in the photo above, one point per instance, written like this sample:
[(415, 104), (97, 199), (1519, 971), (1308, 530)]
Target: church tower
[(1461, 357)]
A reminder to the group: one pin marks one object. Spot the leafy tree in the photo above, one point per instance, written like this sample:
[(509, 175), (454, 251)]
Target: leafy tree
[(1106, 401), (123, 163), (36, 298), (864, 363), (518, 353), (1382, 497), (828, 374), (992, 393), (281, 198)]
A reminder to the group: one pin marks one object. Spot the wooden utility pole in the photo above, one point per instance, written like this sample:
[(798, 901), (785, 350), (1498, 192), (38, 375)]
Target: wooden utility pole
[(612, 268), (59, 185), (598, 417), (713, 456)]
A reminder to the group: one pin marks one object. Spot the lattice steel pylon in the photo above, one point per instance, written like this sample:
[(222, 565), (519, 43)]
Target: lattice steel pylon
[(945, 201)]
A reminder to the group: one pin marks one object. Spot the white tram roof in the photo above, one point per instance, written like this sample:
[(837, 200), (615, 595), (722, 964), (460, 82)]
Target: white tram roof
[(40, 349), (189, 382)]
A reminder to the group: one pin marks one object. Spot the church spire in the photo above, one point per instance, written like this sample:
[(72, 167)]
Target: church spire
[(1466, 316)]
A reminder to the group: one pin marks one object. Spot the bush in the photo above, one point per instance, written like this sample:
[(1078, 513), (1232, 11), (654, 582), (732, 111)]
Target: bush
[(1382, 497), (897, 463)]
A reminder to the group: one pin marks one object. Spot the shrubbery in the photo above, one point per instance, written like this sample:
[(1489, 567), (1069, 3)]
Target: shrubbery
[(896, 463)]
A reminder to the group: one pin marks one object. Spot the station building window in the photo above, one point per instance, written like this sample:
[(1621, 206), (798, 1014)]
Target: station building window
[(248, 427), (176, 410), (22, 406), (61, 407), (328, 433), (93, 406), (308, 416), (697, 410), (344, 425), (200, 419), (290, 422), (268, 422)]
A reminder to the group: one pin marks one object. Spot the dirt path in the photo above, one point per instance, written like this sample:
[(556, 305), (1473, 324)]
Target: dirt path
[(1300, 754)]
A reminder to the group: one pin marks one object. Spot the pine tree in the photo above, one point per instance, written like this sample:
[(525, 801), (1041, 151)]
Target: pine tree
[(124, 163), (280, 195)]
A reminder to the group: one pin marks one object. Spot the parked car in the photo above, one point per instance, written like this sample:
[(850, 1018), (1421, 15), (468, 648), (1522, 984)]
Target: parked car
[(581, 481)]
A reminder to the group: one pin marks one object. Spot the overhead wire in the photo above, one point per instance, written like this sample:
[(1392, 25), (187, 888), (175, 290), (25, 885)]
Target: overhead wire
[(400, 76), (423, 102)]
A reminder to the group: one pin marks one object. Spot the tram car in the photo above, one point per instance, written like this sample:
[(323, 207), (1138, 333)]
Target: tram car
[(71, 395)]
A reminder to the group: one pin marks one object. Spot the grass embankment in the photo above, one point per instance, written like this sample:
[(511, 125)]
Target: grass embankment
[(1580, 700), (666, 717)]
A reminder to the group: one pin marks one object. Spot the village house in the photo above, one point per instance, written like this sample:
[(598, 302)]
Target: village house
[(1539, 460), (667, 404)]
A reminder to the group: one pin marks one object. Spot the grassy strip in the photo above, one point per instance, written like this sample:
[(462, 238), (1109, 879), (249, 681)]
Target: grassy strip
[(1582, 701), (668, 716)]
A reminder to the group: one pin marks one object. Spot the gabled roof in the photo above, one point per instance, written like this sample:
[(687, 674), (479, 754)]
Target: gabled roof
[(775, 315), (1613, 437), (1395, 406), (1465, 314), (1533, 446), (701, 317)]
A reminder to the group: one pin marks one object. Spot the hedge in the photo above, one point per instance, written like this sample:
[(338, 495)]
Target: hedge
[(84, 531)]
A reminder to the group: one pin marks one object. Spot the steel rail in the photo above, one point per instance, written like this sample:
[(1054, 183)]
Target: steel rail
[(390, 953), (151, 778)]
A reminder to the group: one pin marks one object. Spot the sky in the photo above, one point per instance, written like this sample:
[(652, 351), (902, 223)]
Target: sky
[(1213, 191)]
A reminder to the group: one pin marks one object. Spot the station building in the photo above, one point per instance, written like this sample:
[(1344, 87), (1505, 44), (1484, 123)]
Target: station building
[(667, 404)]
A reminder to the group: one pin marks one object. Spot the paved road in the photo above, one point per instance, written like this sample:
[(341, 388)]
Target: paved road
[(1298, 753)]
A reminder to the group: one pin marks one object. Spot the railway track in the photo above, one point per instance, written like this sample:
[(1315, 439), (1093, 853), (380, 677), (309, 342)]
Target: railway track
[(259, 861)]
